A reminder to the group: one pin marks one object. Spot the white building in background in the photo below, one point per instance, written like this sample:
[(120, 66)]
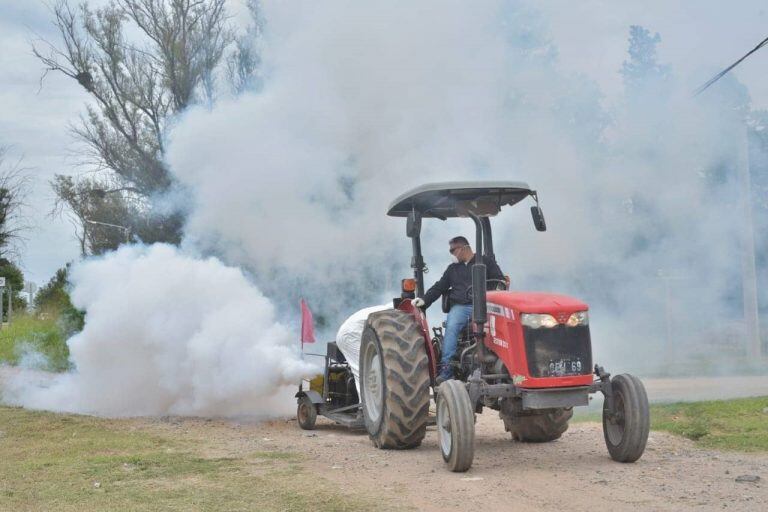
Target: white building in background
[(29, 290)]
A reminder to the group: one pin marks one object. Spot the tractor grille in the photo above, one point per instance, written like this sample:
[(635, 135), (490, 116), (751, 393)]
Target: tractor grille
[(558, 351)]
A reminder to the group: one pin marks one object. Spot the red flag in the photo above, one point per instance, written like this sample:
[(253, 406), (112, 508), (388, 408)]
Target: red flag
[(307, 324)]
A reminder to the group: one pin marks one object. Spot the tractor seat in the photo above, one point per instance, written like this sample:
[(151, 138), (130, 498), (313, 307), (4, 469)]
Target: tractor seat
[(446, 303)]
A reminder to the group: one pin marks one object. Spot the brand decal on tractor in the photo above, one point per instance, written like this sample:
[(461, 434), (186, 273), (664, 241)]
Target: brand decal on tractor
[(496, 309)]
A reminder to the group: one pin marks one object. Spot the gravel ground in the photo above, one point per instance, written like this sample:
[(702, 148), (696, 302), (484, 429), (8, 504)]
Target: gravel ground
[(572, 473)]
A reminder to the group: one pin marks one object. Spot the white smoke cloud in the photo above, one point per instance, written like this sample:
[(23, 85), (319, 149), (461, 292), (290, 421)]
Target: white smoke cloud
[(308, 165), (170, 334), (361, 101)]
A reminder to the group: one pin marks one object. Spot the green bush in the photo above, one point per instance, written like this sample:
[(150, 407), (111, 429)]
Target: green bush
[(39, 340), (39, 343), (52, 301)]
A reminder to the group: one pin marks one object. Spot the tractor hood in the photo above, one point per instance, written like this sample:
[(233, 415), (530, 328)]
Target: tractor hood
[(536, 302)]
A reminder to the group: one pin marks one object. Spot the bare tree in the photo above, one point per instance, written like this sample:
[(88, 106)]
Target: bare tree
[(137, 83), (14, 188), (244, 63)]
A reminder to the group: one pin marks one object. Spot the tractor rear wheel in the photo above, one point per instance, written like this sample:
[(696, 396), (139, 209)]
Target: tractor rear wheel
[(455, 425), (306, 413), (394, 380), (539, 428), (626, 427)]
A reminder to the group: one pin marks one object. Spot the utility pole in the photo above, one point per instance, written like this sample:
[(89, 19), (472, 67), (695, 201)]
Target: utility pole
[(2, 291), (748, 267)]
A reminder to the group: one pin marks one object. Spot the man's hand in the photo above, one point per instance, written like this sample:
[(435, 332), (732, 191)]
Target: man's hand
[(418, 302)]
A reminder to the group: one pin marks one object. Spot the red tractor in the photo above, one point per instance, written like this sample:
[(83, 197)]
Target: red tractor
[(526, 355)]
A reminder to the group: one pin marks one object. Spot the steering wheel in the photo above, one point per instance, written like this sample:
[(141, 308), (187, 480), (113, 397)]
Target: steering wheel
[(501, 284)]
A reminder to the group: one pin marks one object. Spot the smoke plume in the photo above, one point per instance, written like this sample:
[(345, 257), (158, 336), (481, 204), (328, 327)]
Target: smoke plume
[(170, 334), (357, 103), (361, 102)]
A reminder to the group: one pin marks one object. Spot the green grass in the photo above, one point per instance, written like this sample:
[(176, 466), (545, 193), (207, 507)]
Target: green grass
[(30, 336), (67, 462), (738, 424)]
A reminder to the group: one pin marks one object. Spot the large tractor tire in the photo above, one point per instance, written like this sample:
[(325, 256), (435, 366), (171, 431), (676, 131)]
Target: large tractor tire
[(455, 425), (539, 428), (626, 427), (394, 380)]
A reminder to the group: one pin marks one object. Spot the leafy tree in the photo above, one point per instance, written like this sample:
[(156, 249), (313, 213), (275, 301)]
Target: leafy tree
[(643, 74), (141, 62), (53, 300)]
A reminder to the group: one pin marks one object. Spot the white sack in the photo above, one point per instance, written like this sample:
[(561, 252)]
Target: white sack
[(349, 335)]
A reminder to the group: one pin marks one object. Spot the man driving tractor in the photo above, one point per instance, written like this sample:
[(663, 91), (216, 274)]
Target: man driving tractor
[(456, 282), (533, 364)]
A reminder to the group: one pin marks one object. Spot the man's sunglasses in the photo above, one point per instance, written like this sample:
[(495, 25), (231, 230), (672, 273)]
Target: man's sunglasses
[(454, 249)]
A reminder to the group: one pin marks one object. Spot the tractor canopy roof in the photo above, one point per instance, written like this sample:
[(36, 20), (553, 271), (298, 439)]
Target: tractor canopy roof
[(456, 198)]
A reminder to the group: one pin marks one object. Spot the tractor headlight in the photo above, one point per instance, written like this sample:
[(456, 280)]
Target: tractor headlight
[(536, 320), (577, 319)]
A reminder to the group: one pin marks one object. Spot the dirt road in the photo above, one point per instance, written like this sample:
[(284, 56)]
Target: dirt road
[(572, 473)]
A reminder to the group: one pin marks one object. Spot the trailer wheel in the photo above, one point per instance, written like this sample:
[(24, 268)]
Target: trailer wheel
[(394, 380), (626, 427), (306, 413), (455, 425), (539, 428)]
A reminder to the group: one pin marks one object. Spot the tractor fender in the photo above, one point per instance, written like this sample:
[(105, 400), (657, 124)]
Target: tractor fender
[(312, 395), (421, 320)]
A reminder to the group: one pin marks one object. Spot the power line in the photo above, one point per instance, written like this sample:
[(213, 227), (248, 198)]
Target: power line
[(721, 74)]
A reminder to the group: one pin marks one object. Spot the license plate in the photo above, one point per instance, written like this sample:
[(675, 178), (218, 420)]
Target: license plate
[(562, 367)]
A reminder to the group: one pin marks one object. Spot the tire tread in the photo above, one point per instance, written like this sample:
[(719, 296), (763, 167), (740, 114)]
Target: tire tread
[(462, 425), (539, 428), (406, 380), (637, 419)]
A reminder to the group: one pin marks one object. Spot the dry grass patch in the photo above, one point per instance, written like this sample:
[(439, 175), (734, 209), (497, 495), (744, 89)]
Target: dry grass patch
[(67, 462)]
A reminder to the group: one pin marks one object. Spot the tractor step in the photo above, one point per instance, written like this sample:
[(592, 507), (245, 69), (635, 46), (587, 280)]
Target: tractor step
[(349, 419)]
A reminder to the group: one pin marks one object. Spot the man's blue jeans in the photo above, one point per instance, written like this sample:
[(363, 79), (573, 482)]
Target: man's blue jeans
[(458, 318)]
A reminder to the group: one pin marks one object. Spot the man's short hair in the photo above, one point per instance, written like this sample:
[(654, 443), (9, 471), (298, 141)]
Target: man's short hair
[(458, 240)]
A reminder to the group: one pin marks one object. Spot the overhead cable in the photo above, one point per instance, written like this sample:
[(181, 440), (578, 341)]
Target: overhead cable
[(721, 74)]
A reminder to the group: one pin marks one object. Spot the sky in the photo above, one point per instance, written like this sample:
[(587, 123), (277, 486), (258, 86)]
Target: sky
[(590, 37)]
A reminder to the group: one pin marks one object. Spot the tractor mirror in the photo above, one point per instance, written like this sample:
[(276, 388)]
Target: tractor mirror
[(413, 225), (538, 218)]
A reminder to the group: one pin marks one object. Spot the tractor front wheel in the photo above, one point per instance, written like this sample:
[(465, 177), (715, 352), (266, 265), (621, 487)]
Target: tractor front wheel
[(455, 425), (626, 425), (394, 380)]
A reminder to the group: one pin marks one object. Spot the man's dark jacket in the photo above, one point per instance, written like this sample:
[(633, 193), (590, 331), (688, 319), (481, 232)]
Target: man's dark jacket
[(457, 279)]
